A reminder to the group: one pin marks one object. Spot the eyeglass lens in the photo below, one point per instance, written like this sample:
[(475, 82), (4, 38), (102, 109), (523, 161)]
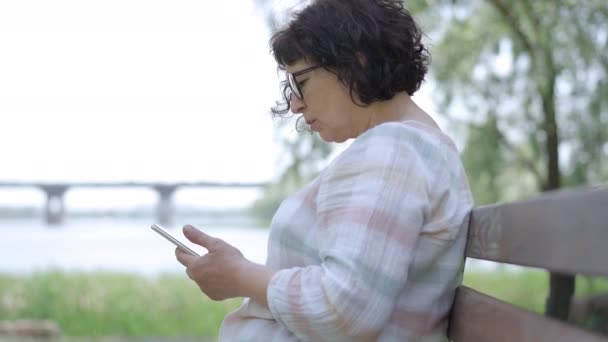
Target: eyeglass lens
[(293, 86)]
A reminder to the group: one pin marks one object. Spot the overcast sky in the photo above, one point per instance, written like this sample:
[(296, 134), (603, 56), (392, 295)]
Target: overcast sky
[(136, 90)]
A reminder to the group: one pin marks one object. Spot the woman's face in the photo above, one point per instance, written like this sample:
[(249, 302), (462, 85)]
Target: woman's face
[(326, 105)]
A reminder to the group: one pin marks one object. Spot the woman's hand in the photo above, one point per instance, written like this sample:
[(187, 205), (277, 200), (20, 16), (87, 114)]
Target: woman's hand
[(217, 272)]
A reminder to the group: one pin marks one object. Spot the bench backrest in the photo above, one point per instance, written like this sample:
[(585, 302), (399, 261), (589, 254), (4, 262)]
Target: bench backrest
[(562, 231)]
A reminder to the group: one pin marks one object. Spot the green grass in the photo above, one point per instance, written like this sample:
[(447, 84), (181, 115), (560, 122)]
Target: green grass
[(112, 304), (115, 304), (527, 289)]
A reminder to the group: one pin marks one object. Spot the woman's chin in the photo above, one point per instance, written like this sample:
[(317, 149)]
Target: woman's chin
[(325, 137), (331, 138)]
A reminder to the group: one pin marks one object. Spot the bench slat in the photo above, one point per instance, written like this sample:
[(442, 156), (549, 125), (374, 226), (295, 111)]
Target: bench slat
[(563, 231), (480, 318)]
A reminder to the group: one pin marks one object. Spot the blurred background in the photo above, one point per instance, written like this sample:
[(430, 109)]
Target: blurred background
[(118, 114)]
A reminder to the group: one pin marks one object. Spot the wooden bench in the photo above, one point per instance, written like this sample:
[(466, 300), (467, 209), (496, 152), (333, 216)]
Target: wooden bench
[(563, 231)]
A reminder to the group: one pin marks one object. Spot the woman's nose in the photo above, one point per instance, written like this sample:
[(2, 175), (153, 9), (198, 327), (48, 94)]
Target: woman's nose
[(296, 105)]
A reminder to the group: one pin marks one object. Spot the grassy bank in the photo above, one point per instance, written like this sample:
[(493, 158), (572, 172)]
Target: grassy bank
[(111, 304), (527, 289)]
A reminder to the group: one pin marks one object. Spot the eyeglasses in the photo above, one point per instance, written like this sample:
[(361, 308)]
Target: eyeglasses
[(293, 84)]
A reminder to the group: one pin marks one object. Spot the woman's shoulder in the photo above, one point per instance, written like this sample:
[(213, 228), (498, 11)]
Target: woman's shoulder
[(409, 131), (407, 146), (403, 138)]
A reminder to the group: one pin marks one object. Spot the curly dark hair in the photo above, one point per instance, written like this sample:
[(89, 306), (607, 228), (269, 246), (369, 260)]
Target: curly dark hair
[(373, 46)]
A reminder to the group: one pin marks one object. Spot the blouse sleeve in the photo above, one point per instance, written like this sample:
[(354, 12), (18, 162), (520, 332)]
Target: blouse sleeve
[(371, 206)]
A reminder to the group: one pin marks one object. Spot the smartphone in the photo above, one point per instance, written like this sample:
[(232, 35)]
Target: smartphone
[(162, 231)]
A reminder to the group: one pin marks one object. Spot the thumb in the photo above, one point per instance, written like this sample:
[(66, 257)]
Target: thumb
[(198, 237)]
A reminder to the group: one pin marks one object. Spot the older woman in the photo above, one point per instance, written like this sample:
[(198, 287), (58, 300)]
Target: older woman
[(371, 249)]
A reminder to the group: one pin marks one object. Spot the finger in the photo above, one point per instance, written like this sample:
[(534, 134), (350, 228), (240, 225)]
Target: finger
[(184, 258), (189, 273), (198, 237)]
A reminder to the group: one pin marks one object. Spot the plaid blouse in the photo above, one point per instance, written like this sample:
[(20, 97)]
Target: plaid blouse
[(370, 250)]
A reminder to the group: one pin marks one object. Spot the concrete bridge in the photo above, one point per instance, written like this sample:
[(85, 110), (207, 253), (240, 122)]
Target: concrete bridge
[(55, 206)]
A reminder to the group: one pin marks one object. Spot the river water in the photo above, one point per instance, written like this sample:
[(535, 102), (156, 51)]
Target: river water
[(123, 245), (107, 244)]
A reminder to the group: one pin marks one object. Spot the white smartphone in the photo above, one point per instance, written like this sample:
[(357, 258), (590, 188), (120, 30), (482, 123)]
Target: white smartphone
[(162, 231)]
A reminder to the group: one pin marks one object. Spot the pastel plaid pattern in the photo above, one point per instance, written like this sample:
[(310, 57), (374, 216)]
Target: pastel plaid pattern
[(370, 250)]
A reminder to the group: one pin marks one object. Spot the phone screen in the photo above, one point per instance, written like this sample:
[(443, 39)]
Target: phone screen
[(162, 231)]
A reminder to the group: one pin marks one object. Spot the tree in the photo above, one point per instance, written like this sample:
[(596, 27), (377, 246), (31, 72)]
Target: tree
[(303, 156), (531, 76)]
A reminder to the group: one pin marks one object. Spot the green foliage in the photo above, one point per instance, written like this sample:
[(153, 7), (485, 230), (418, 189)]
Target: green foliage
[(514, 73), (113, 304), (303, 156), (480, 157)]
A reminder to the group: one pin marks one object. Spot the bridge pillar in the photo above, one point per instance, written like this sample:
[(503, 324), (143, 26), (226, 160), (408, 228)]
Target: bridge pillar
[(55, 207), (164, 210)]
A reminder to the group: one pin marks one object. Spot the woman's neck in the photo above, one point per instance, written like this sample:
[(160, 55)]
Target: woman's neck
[(400, 108)]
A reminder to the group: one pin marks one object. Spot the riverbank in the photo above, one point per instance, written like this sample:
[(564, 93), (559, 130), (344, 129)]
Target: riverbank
[(116, 304)]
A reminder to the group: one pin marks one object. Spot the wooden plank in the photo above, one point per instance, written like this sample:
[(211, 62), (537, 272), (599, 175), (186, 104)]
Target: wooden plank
[(480, 318), (29, 328), (563, 231)]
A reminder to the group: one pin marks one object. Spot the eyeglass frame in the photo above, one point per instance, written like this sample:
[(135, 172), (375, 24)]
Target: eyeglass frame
[(295, 88)]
